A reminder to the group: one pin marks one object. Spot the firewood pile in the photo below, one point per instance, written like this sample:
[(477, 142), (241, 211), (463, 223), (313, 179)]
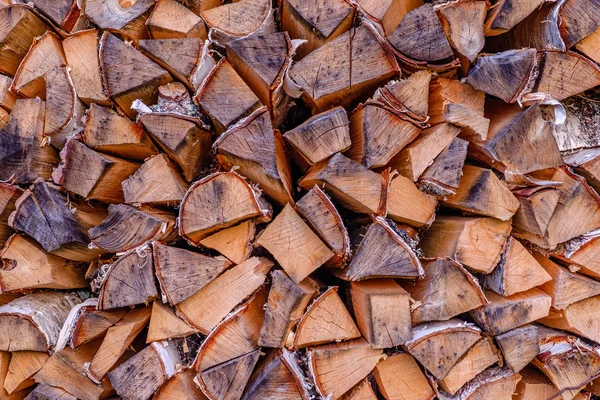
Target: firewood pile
[(302, 199)]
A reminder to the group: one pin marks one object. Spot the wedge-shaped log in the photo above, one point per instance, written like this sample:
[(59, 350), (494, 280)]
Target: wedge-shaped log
[(463, 24), (219, 201), (493, 383), (344, 70), (232, 21), (92, 323), (181, 273), (228, 380), (38, 318), (536, 209), (8, 197), (579, 318), (507, 13), (519, 346), (382, 310), (362, 390), (587, 164), (235, 243), (123, 18), (180, 386), (180, 56), (442, 177), (565, 74), (23, 365), (446, 291), (408, 205), (165, 324), (588, 46), (259, 152), (207, 307), (171, 19), (64, 14), (581, 254), (505, 313), (409, 96), (578, 20), (413, 385)]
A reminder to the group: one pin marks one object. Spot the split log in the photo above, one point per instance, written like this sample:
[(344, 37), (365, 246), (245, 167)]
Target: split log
[(344, 70), (23, 365), (259, 152), (286, 304), (463, 23), (399, 377), (336, 368), (20, 26), (64, 14), (382, 310), (579, 317), (170, 19), (127, 74), (505, 313), (442, 177), (588, 46), (363, 391), (536, 209), (181, 57), (389, 13), (586, 164), (477, 243), (580, 253), (319, 137), (497, 383), (181, 273), (219, 201), (128, 281), (8, 197), (408, 205), (235, 243), (180, 386), (37, 317), (232, 21), (25, 265), (519, 346), (164, 324), (81, 53), (93, 323), (125, 18), (565, 74), (505, 14), (534, 385), (207, 307), (446, 291), (7, 98), (578, 20)]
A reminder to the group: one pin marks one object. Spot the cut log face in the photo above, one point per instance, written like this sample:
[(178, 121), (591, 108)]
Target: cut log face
[(589, 46), (124, 81), (519, 346), (181, 273), (8, 197), (37, 317), (583, 74), (179, 56), (170, 19), (446, 291), (275, 378), (235, 243), (383, 253), (408, 96), (344, 70), (534, 385), (498, 383), (586, 164), (411, 386), (180, 386), (207, 307), (442, 177), (578, 20), (124, 18), (93, 323), (336, 368), (536, 209), (505, 313), (579, 318), (382, 310), (463, 24), (164, 324), (232, 21), (23, 365), (229, 379), (583, 255), (508, 13), (63, 108), (216, 202), (286, 304), (408, 205)]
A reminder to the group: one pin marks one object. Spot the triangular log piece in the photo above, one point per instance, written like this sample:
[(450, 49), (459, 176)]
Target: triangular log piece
[(239, 19), (580, 318), (128, 281), (43, 391), (589, 46), (507, 13), (446, 291), (388, 13), (275, 379), (578, 19), (181, 273), (326, 320), (157, 182), (316, 22), (22, 156), (81, 52), (118, 338), (382, 310), (92, 323), (20, 26), (180, 56), (439, 345), (519, 346), (38, 318), (21, 260), (569, 363), (214, 97), (106, 131), (344, 70), (141, 375), (582, 254), (180, 386), (92, 175), (235, 243), (164, 324), (383, 253), (127, 19), (477, 243), (414, 159), (126, 228), (353, 185), (587, 164), (44, 213), (286, 304), (517, 271), (8, 197), (463, 24), (337, 368), (536, 209), (294, 245), (378, 134), (45, 54), (65, 369), (219, 201), (7, 98), (442, 177), (505, 313), (170, 19), (363, 390), (228, 380), (420, 36), (565, 74), (65, 14), (493, 383), (566, 287), (506, 75), (399, 377), (234, 337), (408, 205), (23, 365), (319, 137), (259, 153), (207, 307), (534, 385), (409, 96), (321, 214), (129, 75), (482, 355), (457, 103), (481, 192)]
